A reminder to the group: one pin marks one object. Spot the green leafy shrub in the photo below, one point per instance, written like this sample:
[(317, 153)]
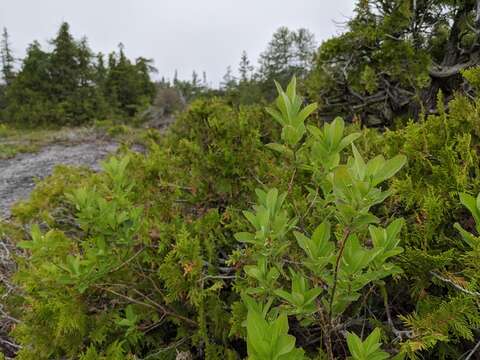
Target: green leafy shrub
[(155, 255), (331, 275)]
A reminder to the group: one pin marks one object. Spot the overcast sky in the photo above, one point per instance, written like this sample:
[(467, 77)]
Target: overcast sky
[(201, 35)]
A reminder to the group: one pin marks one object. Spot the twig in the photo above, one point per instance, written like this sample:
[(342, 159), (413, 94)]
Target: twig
[(474, 350), (474, 293), (11, 344), (223, 277), (400, 334), (337, 266), (172, 346), (126, 261), (155, 306)]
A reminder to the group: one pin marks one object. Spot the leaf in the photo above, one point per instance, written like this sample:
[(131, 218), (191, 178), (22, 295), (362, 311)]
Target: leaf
[(347, 140), (390, 168), (471, 240), (282, 149), (335, 131), (359, 164), (291, 88), (354, 344), (245, 237), (306, 112), (471, 204), (276, 115)]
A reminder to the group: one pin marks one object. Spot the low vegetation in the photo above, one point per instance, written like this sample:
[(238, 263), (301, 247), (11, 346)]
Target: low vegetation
[(353, 234), (259, 225)]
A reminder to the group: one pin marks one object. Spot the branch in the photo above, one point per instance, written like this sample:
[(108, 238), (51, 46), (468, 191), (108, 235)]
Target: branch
[(466, 291), (337, 267), (440, 72), (474, 350)]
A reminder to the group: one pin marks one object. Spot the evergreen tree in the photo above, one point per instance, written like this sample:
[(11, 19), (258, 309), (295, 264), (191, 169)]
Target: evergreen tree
[(175, 77), (245, 68), (304, 50), (275, 61), (195, 79), (71, 86), (204, 80), (7, 58), (100, 71), (394, 57), (128, 86), (64, 64), (289, 53), (29, 97), (228, 81)]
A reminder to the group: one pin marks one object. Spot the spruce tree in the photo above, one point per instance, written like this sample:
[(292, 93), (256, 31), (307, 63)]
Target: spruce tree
[(276, 59), (7, 58), (29, 97), (304, 50), (64, 63), (128, 86), (228, 81), (394, 57), (245, 68)]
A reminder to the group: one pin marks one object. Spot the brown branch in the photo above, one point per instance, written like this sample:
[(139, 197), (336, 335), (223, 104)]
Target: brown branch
[(337, 267), (126, 261), (153, 305)]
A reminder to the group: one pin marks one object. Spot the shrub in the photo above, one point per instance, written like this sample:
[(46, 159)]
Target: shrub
[(141, 260)]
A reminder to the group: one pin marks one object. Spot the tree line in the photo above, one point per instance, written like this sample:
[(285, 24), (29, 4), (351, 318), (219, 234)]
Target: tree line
[(70, 85), (389, 63)]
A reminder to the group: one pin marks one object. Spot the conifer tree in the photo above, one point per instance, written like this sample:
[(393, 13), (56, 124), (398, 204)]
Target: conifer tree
[(29, 97), (7, 58), (245, 68), (64, 63), (304, 50), (275, 60), (128, 85), (195, 79), (204, 80), (394, 57), (228, 81)]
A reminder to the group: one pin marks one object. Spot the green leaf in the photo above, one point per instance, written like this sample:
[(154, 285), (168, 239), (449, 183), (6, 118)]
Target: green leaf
[(471, 240), (347, 140), (389, 169), (335, 132), (245, 237), (471, 204), (306, 112), (359, 164)]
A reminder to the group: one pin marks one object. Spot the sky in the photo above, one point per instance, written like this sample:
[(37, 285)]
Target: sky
[(183, 35)]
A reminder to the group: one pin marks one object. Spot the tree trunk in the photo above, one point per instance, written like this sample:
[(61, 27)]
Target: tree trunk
[(446, 77)]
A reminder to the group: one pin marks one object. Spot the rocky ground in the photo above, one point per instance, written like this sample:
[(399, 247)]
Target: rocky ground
[(18, 175)]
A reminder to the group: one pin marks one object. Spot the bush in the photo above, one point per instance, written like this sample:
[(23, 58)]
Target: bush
[(141, 260)]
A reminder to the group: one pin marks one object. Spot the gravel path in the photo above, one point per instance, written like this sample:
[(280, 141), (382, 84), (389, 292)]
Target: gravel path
[(17, 175)]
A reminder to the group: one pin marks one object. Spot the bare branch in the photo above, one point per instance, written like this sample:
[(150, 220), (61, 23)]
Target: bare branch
[(466, 291)]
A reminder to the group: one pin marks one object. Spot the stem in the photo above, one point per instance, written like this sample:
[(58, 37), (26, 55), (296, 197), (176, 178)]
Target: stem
[(474, 350), (400, 334), (346, 233), (294, 172), (327, 331)]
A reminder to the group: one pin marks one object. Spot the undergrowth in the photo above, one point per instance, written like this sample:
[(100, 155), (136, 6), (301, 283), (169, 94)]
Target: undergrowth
[(350, 250)]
